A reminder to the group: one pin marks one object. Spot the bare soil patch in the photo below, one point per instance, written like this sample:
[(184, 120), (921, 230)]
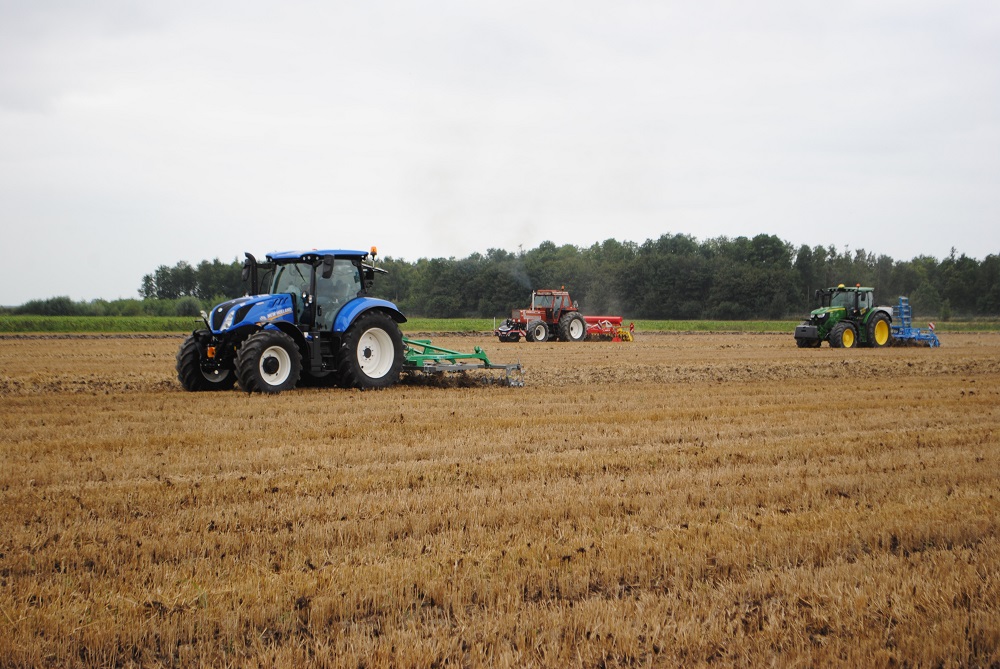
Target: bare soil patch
[(681, 500)]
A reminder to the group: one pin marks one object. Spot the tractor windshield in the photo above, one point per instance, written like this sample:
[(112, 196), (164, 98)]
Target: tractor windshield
[(842, 299), (292, 278), (541, 302)]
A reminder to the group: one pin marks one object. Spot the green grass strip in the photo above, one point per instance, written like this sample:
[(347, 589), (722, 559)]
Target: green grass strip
[(126, 324), (108, 324)]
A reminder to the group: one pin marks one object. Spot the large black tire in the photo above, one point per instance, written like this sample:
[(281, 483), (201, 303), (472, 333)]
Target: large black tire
[(879, 330), (843, 335), (537, 331), (371, 353), (572, 327), (268, 362), (192, 377)]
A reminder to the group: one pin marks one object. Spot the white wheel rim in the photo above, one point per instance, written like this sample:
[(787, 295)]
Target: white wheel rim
[(539, 332), (280, 375), (375, 353), (217, 376), (576, 329)]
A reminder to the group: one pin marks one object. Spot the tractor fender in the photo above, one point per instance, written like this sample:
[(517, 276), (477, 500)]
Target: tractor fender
[(239, 334), (875, 310), (289, 329), (359, 305)]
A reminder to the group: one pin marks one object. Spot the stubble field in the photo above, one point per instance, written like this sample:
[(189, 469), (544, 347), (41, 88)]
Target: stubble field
[(681, 500)]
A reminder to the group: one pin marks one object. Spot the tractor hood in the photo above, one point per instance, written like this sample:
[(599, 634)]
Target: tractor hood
[(824, 312), (256, 310)]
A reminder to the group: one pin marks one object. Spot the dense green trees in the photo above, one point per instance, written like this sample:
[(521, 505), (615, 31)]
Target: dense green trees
[(679, 277), (206, 281), (675, 277)]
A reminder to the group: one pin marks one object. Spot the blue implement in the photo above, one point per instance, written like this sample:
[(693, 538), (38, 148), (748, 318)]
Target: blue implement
[(906, 333)]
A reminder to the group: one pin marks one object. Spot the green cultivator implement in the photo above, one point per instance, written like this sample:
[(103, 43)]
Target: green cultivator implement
[(423, 356)]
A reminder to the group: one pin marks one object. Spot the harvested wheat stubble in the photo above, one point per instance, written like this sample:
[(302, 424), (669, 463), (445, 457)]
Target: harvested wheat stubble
[(676, 501)]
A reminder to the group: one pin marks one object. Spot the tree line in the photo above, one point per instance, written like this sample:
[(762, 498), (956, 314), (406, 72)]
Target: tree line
[(674, 277), (677, 277)]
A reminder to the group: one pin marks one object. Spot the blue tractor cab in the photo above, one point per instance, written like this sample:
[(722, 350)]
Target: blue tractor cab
[(307, 315)]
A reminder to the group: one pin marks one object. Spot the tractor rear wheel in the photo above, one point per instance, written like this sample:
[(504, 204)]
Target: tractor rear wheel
[(843, 335), (572, 327), (268, 362), (192, 377), (371, 355), (879, 331), (537, 331)]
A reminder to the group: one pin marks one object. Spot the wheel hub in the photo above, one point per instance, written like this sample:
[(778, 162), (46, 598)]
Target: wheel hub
[(269, 365)]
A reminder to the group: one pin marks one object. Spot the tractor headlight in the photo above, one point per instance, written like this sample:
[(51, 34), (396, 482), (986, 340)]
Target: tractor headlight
[(226, 324)]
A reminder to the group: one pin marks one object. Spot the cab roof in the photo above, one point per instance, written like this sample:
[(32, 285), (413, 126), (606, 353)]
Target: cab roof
[(313, 254)]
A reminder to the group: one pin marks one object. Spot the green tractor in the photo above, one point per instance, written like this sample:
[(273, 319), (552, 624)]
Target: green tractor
[(846, 317)]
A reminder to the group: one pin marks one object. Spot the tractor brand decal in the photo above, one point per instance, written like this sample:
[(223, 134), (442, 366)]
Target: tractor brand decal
[(276, 314)]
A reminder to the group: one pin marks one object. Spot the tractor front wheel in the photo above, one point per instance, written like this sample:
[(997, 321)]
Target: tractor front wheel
[(537, 331), (879, 331), (193, 377), (843, 335), (572, 327), (371, 355), (268, 362)]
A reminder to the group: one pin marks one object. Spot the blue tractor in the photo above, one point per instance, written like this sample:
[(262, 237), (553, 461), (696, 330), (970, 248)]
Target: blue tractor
[(308, 316)]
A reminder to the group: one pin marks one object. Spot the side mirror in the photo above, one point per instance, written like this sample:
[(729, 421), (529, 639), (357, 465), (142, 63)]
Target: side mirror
[(327, 267)]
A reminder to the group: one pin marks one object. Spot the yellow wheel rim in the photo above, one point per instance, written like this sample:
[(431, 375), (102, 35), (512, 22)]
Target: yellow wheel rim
[(848, 338), (881, 333)]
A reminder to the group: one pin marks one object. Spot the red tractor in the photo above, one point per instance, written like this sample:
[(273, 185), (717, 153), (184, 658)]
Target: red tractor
[(554, 315)]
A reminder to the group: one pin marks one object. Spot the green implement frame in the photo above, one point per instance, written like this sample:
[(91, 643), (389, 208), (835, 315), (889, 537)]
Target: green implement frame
[(423, 356)]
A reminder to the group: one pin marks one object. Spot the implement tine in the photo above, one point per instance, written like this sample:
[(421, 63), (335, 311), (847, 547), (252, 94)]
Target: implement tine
[(423, 356)]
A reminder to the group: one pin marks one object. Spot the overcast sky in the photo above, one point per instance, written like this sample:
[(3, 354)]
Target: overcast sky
[(139, 134)]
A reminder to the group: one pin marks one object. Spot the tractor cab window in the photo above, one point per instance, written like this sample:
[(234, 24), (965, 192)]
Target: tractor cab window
[(343, 285), (293, 278), (864, 301), (541, 302), (842, 299)]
